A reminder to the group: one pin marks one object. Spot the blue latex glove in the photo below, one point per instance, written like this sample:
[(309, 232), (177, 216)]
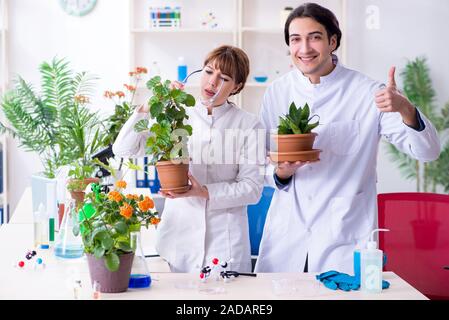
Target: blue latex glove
[(336, 280)]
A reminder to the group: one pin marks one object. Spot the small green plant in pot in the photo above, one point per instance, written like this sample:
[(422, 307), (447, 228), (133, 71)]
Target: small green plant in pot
[(294, 140), (169, 133), (106, 233)]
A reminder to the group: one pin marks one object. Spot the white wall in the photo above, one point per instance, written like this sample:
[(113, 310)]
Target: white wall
[(407, 29), (98, 42), (40, 30)]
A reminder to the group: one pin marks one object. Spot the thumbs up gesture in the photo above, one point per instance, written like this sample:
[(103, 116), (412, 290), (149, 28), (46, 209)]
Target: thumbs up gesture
[(390, 99)]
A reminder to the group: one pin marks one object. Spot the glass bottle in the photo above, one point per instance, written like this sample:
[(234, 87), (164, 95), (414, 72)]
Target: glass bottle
[(69, 244), (140, 276)]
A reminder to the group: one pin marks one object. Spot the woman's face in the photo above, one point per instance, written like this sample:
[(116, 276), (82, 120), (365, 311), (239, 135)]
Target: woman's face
[(211, 79)]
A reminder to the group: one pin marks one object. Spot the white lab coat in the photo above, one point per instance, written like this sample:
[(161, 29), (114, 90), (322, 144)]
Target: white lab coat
[(193, 230), (330, 206)]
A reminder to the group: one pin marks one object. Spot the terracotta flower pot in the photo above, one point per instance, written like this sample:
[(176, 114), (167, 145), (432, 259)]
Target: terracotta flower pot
[(172, 176), (78, 195), (310, 155), (294, 142), (111, 282)]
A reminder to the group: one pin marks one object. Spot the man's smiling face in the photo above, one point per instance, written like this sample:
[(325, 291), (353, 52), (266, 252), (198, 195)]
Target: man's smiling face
[(310, 47)]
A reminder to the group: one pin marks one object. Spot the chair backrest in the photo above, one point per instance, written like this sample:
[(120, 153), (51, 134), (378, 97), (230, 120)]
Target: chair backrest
[(417, 246), (257, 214)]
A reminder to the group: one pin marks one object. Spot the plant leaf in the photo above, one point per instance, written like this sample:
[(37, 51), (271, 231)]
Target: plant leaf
[(112, 262)]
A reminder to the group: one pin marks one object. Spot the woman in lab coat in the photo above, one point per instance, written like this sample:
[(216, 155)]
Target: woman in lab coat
[(210, 220), (322, 211)]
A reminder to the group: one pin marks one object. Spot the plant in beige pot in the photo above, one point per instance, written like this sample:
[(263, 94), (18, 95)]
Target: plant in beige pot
[(169, 134), (294, 140), (106, 233)]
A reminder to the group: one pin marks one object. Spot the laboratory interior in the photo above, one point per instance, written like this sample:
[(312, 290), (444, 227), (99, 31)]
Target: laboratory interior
[(236, 150)]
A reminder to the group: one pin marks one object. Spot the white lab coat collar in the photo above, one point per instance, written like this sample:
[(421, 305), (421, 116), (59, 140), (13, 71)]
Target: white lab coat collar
[(324, 79), (217, 111)]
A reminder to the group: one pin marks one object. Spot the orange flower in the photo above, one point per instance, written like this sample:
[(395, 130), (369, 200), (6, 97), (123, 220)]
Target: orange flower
[(126, 211), (120, 94), (115, 196), (130, 87), (81, 99), (146, 204), (132, 74), (120, 184), (154, 220), (132, 197), (108, 94), (140, 70)]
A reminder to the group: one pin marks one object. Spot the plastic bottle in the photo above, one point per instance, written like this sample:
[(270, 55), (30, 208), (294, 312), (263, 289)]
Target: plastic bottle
[(41, 228), (371, 261), (182, 69), (155, 70)]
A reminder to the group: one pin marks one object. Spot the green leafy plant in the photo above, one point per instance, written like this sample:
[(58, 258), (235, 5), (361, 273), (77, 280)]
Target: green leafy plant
[(124, 106), (418, 89), (106, 231), (297, 121), (40, 120), (168, 134)]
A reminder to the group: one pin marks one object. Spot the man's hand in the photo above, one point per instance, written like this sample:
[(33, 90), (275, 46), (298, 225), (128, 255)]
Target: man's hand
[(196, 190), (285, 170), (390, 99)]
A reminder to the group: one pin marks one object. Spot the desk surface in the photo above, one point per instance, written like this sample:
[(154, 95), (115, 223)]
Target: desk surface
[(55, 281)]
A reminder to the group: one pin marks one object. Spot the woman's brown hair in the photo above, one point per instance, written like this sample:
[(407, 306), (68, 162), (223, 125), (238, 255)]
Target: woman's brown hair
[(231, 61)]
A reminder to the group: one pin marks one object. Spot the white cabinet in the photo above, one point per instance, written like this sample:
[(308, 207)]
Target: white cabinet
[(3, 85), (253, 25)]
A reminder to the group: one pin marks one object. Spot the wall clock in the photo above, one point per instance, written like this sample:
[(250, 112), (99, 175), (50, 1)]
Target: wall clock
[(78, 7)]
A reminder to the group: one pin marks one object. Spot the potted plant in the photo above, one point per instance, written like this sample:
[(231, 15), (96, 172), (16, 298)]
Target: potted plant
[(168, 134), (106, 233), (80, 129), (41, 120), (294, 139)]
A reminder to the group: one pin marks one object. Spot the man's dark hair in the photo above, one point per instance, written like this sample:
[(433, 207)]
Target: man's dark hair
[(320, 14)]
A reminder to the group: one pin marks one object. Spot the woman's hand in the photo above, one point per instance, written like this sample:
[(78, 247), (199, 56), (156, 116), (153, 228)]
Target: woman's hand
[(143, 108), (177, 85), (196, 190)]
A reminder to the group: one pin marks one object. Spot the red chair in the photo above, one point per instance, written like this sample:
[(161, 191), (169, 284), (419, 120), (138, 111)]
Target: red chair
[(417, 246)]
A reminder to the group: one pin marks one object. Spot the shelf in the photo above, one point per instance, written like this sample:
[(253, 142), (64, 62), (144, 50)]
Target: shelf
[(257, 84), (183, 30), (263, 30)]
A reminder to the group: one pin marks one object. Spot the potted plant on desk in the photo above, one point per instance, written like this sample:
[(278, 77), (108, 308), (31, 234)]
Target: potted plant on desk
[(294, 140), (168, 134), (106, 233), (42, 121)]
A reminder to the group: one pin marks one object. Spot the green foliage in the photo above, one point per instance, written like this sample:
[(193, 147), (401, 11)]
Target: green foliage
[(41, 121), (168, 133), (418, 89), (297, 121), (107, 232)]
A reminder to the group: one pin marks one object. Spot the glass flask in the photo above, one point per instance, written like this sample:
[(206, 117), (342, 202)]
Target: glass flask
[(69, 244), (140, 276)]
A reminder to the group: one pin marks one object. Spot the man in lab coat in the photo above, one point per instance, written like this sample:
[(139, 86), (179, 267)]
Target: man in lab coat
[(322, 211)]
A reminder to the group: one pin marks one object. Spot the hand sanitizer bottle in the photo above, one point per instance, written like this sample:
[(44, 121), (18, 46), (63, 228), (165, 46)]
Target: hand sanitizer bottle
[(371, 266)]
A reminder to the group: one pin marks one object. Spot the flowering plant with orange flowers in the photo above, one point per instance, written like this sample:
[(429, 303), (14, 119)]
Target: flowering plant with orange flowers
[(124, 107), (106, 231)]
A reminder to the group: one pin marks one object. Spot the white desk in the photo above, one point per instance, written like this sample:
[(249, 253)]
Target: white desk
[(55, 281)]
